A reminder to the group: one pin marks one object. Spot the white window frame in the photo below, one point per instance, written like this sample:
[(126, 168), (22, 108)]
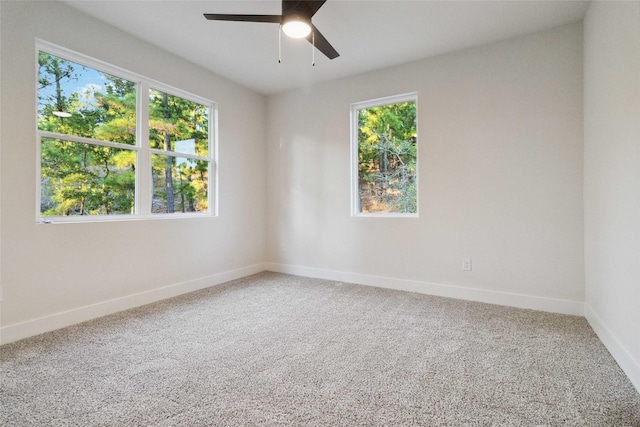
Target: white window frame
[(144, 187), (355, 185)]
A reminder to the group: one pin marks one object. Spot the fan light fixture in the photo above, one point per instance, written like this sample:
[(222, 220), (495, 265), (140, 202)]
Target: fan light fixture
[(61, 114), (294, 22), (296, 28)]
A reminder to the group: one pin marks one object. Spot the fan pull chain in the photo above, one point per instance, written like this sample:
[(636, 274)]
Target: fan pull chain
[(280, 44), (313, 48)]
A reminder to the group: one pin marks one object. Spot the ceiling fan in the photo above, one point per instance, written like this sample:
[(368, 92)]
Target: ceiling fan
[(295, 22)]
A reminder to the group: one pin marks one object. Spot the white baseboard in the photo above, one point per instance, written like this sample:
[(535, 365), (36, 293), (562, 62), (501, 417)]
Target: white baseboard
[(625, 360), (18, 331), (629, 365), (552, 305)]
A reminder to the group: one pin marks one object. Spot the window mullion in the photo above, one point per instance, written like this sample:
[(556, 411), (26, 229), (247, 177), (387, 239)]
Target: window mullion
[(143, 171), (91, 141), (179, 154), (38, 176)]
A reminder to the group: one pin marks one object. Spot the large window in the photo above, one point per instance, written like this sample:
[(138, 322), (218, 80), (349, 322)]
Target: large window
[(93, 163), (384, 157)]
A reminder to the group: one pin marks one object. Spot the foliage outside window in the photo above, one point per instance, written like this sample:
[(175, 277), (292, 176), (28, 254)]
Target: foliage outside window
[(177, 125), (92, 162), (384, 150), (87, 164)]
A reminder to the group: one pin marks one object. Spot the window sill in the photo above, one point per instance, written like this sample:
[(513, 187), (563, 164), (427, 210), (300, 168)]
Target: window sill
[(384, 215), (119, 218)]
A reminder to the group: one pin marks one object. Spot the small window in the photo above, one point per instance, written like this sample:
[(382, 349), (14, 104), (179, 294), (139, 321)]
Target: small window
[(385, 157)]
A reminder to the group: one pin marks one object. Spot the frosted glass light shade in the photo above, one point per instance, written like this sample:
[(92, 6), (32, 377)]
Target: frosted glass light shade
[(296, 29)]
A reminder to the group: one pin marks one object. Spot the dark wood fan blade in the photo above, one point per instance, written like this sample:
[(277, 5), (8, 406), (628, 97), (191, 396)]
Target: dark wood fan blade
[(322, 44), (246, 18), (306, 8), (313, 6)]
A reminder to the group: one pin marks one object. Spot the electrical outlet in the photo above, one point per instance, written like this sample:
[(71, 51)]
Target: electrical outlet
[(466, 264), (283, 248)]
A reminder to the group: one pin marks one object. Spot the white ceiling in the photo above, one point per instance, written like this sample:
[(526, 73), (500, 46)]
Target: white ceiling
[(368, 34)]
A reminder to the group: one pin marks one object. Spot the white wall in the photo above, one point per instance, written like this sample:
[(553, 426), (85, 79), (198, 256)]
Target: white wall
[(501, 181), (500, 177), (612, 178), (57, 274)]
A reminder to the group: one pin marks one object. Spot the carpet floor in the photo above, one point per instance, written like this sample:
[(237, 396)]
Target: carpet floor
[(273, 349)]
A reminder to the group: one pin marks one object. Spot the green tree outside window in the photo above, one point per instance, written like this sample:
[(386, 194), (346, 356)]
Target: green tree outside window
[(83, 178), (387, 157), (89, 148)]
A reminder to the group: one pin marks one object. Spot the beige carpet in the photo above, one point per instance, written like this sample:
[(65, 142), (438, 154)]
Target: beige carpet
[(274, 349)]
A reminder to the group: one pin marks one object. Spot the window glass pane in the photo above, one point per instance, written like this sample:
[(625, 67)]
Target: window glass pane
[(86, 179), (387, 155), (178, 125), (80, 101), (179, 184)]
